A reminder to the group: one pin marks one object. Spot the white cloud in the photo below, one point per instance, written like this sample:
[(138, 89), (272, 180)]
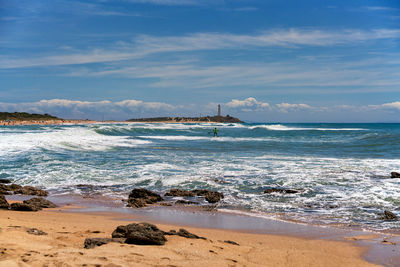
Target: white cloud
[(86, 109), (393, 105), (286, 107), (381, 8), (135, 104), (316, 74), (146, 45), (248, 104)]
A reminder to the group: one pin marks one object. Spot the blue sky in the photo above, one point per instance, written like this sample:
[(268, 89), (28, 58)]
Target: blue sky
[(262, 60)]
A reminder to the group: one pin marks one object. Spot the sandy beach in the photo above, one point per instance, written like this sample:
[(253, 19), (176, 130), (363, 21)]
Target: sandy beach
[(66, 231)]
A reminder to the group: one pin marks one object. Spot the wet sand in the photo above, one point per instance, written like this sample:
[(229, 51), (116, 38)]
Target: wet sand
[(261, 242)]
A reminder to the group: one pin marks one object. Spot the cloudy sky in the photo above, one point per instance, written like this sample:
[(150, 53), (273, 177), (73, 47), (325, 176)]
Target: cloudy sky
[(262, 60)]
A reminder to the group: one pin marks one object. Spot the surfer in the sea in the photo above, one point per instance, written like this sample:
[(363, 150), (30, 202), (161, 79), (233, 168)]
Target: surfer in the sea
[(215, 132)]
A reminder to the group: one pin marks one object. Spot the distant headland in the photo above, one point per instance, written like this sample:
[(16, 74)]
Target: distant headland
[(24, 116), (201, 119), (222, 119)]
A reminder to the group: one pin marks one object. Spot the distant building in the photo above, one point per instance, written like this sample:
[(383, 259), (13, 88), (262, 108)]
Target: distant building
[(219, 110)]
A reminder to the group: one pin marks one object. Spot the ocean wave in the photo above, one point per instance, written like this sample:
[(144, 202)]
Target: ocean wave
[(74, 138), (208, 138), (279, 127)]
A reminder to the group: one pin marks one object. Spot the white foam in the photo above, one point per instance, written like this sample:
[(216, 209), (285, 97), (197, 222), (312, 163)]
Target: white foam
[(279, 127), (210, 138), (74, 138)]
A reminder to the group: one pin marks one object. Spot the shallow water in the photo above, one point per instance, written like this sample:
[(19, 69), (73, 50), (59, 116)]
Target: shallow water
[(342, 170)]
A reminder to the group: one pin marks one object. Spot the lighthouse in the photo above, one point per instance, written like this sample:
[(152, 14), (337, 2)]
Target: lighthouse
[(219, 110)]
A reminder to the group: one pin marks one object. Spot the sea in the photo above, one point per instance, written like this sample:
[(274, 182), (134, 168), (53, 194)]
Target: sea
[(342, 171)]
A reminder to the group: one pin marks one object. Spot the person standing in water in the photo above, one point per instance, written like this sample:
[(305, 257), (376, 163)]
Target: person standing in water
[(215, 132)]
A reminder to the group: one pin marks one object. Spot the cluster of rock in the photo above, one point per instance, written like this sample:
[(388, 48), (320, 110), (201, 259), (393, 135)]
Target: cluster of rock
[(281, 191), (18, 189), (140, 197), (389, 216), (395, 175), (138, 234), (210, 196), (33, 204)]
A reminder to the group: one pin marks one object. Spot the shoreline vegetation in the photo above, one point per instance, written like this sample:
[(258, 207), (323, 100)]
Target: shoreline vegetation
[(206, 119), (23, 118)]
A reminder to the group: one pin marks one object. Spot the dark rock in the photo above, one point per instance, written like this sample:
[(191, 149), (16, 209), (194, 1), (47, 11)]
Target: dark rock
[(180, 193), (24, 207), (136, 203), (3, 203), (210, 196), (140, 234), (97, 241), (145, 194), (5, 189), (281, 190), (14, 187), (395, 175), (183, 233), (186, 202), (30, 190), (219, 181), (213, 197), (231, 242), (40, 202), (34, 231), (171, 232), (332, 206), (139, 197), (390, 216), (5, 181)]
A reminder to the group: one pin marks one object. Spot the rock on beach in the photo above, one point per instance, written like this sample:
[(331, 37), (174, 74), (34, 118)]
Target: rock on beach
[(140, 197), (210, 196), (3, 202), (395, 175), (389, 216), (140, 234), (23, 190)]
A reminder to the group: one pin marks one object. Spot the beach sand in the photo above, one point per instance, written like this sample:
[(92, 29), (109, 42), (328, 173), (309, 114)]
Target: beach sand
[(66, 232)]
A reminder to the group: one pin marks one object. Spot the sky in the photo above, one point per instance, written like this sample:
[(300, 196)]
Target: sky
[(261, 60)]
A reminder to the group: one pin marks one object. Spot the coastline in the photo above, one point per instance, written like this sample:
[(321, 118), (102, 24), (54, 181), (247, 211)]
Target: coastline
[(45, 122), (67, 229), (260, 241), (83, 201), (73, 122)]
